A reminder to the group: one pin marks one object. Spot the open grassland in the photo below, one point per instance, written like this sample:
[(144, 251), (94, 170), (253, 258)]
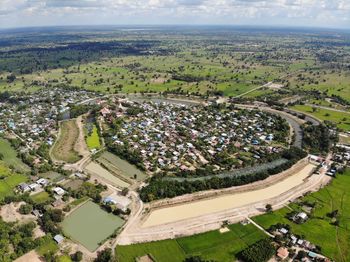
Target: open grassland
[(120, 166), (63, 149), (9, 181), (341, 119), (64, 258), (334, 240), (10, 156), (93, 140), (41, 197), (141, 74), (333, 84), (211, 245), (90, 225)]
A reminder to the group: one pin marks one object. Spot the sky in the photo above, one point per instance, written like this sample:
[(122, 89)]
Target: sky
[(299, 13)]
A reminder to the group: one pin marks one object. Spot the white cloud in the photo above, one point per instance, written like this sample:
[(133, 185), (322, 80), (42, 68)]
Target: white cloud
[(269, 12)]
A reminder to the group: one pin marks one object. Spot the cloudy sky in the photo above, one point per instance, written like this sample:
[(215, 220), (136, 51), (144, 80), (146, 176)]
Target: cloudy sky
[(314, 13)]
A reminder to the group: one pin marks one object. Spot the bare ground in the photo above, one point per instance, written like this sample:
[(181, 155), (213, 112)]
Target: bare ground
[(64, 147), (9, 213), (32, 256), (134, 232), (80, 145)]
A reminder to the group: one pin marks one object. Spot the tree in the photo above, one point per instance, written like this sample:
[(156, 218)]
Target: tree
[(261, 251), (77, 256), (268, 208), (56, 215), (10, 78), (196, 259), (125, 191), (25, 209), (104, 256)]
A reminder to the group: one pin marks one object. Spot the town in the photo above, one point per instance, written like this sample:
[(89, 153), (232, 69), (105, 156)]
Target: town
[(176, 144)]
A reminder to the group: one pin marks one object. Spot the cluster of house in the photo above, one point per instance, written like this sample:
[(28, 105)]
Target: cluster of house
[(40, 183), (342, 156), (171, 135), (297, 244), (38, 186), (33, 117)]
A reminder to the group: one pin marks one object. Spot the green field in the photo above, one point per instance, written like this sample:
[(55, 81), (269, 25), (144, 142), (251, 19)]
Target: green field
[(48, 246), (93, 140), (64, 258), (52, 176), (90, 225), (10, 156), (341, 119), (41, 197), (10, 181), (333, 240), (63, 149), (120, 166), (211, 245)]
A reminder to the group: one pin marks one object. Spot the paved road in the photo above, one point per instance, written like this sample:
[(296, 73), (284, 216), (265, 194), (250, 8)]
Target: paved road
[(308, 118)]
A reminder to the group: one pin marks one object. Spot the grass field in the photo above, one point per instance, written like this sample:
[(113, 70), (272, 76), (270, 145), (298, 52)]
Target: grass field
[(41, 197), (93, 140), (341, 119), (90, 225), (64, 258), (120, 166), (63, 149), (210, 245), (48, 246), (9, 183), (328, 82), (52, 176), (10, 156), (333, 240)]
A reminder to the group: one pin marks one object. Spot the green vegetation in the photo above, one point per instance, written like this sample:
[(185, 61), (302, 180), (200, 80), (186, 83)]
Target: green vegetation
[(90, 225), (48, 246), (160, 187), (321, 229), (64, 258), (63, 149), (16, 240), (9, 156), (93, 139), (9, 181), (211, 245), (40, 198), (317, 139), (260, 251), (340, 119), (120, 167)]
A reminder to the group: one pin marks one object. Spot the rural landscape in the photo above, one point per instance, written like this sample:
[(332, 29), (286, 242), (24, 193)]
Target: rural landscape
[(172, 143)]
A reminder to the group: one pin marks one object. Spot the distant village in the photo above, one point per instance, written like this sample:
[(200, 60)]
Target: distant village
[(32, 118)]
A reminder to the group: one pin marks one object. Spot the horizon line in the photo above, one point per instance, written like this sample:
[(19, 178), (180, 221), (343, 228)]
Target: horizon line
[(273, 26)]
